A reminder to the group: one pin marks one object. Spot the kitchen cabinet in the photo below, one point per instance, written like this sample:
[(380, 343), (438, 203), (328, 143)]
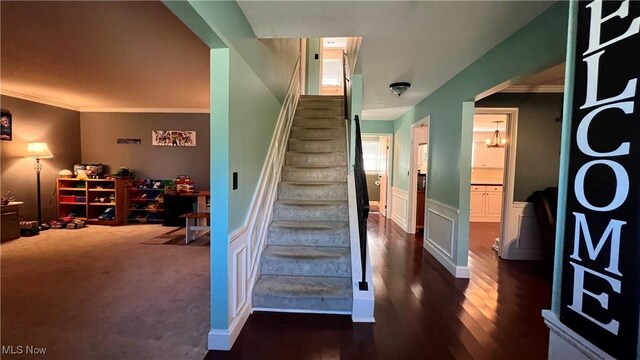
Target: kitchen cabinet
[(485, 157), (486, 203)]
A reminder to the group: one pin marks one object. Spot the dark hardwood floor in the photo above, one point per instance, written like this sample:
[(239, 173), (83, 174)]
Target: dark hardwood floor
[(422, 311)]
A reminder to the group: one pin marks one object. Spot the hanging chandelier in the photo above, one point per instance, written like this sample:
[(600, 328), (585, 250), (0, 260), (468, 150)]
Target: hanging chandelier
[(496, 141)]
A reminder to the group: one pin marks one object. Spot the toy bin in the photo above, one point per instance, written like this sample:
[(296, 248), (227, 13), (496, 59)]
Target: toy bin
[(68, 198)]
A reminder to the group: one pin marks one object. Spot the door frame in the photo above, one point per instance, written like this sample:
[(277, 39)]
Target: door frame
[(389, 168), (413, 174), (509, 172)]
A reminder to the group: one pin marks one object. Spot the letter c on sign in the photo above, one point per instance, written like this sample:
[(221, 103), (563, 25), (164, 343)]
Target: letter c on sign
[(622, 188)]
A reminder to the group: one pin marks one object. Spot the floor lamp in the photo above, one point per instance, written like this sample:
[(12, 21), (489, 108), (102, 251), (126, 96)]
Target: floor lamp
[(39, 150)]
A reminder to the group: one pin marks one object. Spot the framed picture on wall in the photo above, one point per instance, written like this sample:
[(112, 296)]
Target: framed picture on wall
[(5, 126), (173, 138)]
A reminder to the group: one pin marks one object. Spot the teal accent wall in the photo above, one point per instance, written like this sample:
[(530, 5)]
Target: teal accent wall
[(377, 126), (537, 46), (220, 185), (313, 66), (254, 113)]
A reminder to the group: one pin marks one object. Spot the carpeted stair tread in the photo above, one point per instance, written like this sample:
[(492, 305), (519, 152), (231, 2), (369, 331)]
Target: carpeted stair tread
[(328, 133), (306, 264), (306, 261), (320, 158), (310, 233), (312, 202), (305, 293), (318, 183), (314, 173), (317, 145), (311, 210), (312, 191)]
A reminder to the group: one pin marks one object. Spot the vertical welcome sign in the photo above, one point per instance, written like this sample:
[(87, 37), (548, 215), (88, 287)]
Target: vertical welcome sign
[(601, 265)]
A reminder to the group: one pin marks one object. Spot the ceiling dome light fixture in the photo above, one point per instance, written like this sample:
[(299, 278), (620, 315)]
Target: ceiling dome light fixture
[(399, 88), (496, 141)]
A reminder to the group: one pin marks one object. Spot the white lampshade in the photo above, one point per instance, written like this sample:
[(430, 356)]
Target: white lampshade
[(39, 150)]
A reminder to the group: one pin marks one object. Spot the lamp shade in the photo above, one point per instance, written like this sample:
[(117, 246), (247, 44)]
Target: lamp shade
[(39, 150)]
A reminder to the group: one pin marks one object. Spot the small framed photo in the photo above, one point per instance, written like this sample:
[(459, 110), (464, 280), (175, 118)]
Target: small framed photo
[(5, 126)]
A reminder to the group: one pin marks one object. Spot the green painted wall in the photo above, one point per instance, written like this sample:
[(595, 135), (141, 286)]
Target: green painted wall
[(220, 180), (313, 66), (538, 45), (377, 126), (253, 115)]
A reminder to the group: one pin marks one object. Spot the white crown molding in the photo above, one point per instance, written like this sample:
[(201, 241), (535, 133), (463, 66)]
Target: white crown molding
[(144, 110), (102, 109), (38, 99), (533, 89)]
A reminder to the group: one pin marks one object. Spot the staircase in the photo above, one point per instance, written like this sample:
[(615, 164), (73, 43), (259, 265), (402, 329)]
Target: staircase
[(306, 265)]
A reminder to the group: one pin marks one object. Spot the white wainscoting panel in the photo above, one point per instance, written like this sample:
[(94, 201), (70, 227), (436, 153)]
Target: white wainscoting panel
[(521, 234), (441, 236), (400, 207), (239, 276), (238, 301)]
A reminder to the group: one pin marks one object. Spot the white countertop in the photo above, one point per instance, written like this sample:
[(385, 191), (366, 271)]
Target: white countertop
[(486, 182)]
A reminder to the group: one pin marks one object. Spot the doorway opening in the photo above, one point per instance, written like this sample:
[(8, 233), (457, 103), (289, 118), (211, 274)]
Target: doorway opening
[(493, 141), (418, 174), (331, 69), (376, 149)]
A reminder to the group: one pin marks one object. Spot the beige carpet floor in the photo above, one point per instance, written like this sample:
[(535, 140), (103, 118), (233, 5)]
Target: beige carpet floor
[(97, 293)]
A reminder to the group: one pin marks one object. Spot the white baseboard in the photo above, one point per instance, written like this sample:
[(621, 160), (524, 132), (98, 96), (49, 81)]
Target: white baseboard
[(461, 272), (223, 339)]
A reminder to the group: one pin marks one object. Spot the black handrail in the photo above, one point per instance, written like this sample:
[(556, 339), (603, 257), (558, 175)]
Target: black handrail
[(362, 200)]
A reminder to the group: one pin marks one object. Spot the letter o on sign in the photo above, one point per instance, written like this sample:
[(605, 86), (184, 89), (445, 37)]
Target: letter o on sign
[(622, 190)]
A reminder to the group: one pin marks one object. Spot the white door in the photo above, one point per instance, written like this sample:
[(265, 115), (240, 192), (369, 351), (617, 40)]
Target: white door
[(382, 175)]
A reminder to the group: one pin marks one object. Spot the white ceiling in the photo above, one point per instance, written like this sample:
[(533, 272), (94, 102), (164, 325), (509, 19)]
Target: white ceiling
[(422, 42), (486, 122), (103, 56)]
